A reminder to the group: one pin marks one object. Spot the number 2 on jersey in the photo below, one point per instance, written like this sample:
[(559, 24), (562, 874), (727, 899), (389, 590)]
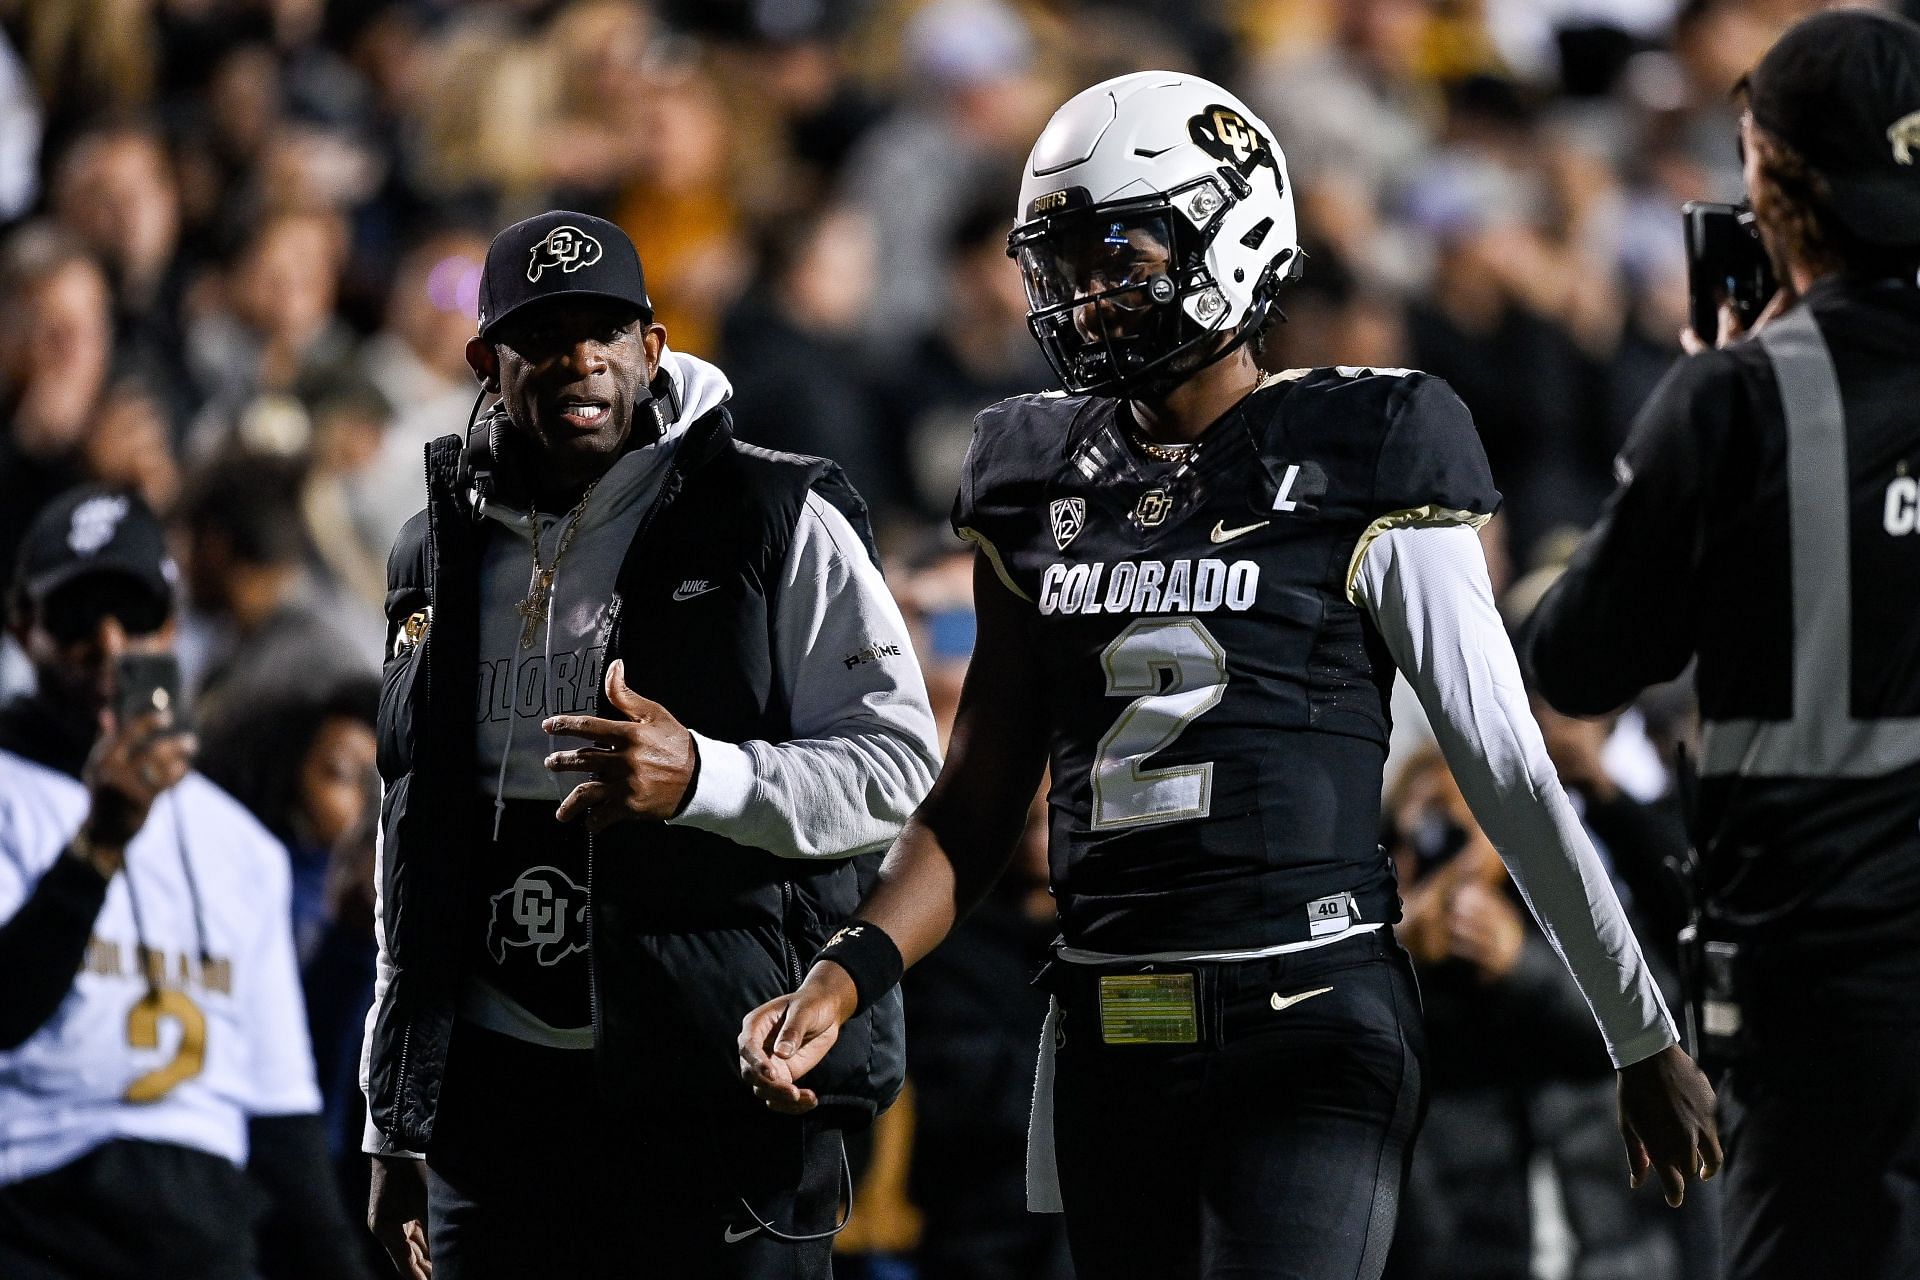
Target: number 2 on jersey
[(143, 1032), (1124, 793)]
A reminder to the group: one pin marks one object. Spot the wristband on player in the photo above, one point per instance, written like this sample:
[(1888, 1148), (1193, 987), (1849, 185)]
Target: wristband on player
[(870, 958)]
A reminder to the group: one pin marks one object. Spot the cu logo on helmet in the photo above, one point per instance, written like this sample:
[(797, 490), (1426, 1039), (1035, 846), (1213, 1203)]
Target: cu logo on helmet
[(568, 248)]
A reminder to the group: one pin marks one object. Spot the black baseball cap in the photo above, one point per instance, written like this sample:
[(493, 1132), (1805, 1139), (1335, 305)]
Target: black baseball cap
[(94, 531), (559, 254), (1843, 89)]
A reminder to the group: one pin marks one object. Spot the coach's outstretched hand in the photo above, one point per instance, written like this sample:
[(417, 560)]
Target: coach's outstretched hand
[(397, 1214), (641, 766), (1666, 1120), (784, 1039)]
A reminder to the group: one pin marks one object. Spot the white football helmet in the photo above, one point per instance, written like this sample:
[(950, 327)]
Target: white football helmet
[(1154, 214)]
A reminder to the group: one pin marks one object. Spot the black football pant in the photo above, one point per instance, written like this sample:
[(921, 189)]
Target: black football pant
[(132, 1210), (1822, 1137), (523, 1184), (1275, 1149)]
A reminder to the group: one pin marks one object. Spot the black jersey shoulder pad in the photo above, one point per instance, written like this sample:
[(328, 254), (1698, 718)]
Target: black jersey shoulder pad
[(1017, 446)]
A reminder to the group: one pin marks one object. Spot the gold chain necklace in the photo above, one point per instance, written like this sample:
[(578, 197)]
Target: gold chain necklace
[(1163, 452), (540, 597)]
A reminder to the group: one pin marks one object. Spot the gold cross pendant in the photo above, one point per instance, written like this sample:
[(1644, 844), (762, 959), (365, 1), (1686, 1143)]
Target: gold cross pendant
[(534, 608)]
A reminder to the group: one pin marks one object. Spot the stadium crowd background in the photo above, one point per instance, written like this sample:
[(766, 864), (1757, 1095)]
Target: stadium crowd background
[(240, 243)]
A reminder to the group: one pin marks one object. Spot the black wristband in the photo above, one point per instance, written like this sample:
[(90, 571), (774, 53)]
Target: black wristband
[(870, 958)]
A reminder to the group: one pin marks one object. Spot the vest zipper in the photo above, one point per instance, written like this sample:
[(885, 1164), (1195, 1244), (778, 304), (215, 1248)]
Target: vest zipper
[(403, 1081), (786, 934), (669, 487)]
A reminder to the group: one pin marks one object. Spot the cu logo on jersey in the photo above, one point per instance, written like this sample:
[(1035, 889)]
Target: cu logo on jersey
[(1069, 517), (568, 248), (544, 909)]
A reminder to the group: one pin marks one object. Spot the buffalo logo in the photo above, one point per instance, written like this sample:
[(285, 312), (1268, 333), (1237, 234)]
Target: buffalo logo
[(94, 524), (1225, 134), (1069, 517), (1904, 134), (543, 909), (568, 248)]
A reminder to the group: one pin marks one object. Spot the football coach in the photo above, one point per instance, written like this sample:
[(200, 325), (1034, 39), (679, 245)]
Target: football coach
[(648, 703), (1766, 527)]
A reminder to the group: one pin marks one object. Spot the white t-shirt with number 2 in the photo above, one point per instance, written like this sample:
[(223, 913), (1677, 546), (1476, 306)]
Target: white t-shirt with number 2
[(189, 1057)]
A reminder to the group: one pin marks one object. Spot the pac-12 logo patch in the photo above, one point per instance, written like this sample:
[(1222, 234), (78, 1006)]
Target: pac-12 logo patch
[(543, 909), (568, 248), (1069, 517)]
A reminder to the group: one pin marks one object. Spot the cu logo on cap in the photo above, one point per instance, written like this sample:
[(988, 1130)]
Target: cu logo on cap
[(568, 248)]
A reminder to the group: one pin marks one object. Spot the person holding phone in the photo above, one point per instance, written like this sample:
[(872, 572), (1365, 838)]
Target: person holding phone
[(155, 1077), (1767, 530)]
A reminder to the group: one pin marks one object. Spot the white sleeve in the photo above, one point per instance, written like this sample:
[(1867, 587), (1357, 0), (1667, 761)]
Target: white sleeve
[(1428, 592), (864, 748), (372, 1141), (280, 1057)]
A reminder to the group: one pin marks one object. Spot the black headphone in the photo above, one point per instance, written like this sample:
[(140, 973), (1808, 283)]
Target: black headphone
[(489, 453)]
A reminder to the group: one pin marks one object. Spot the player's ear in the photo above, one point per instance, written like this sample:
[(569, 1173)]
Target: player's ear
[(485, 363)]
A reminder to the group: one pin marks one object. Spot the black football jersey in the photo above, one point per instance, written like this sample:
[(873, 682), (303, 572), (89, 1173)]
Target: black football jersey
[(1218, 704)]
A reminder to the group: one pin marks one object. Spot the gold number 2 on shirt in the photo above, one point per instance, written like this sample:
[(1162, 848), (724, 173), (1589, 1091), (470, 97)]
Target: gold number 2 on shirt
[(143, 1032), (1194, 666)]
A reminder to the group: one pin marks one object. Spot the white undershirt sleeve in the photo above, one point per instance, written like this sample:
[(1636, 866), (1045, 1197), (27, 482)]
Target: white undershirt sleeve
[(864, 748), (1428, 593)]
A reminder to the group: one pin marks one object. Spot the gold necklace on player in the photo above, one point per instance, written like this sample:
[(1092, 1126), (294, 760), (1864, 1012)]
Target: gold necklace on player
[(540, 596), (1164, 452)]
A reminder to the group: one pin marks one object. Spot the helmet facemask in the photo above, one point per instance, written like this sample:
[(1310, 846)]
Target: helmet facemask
[(1120, 296)]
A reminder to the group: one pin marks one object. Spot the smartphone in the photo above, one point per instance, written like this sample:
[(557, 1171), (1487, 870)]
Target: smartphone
[(1725, 263), (149, 682)]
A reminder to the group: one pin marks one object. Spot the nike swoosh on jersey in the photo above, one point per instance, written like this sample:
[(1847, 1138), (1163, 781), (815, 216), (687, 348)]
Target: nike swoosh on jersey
[(688, 590), (735, 1237), (1220, 533), (1280, 1002)]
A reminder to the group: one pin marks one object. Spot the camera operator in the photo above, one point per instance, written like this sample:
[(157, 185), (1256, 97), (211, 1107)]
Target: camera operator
[(1766, 525)]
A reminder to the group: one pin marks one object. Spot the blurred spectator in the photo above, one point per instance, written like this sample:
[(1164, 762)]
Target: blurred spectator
[(56, 352), (275, 350), (1518, 1078), (976, 1015), (264, 624), (19, 134), (977, 352), (682, 203), (799, 382), (418, 364), (153, 1064), (114, 188), (975, 104)]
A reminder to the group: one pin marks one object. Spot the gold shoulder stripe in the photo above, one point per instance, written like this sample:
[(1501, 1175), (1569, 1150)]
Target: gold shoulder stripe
[(992, 552), (1429, 516)]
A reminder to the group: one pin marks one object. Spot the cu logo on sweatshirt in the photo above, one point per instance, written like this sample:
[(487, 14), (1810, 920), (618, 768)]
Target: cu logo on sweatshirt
[(544, 909)]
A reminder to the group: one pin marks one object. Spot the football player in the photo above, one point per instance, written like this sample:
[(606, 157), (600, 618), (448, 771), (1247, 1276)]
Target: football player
[(1195, 584)]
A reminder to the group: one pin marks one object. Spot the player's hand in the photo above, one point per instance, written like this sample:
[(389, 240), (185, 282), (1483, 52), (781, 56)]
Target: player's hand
[(397, 1214), (129, 767), (641, 766), (1666, 1120), (784, 1039)]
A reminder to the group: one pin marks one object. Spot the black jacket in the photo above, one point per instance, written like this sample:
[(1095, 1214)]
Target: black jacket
[(1785, 559), (688, 931)]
